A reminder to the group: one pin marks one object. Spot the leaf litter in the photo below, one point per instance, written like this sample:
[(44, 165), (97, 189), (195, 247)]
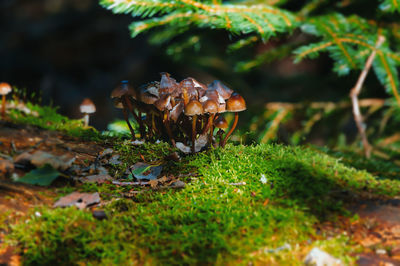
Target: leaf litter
[(80, 200)]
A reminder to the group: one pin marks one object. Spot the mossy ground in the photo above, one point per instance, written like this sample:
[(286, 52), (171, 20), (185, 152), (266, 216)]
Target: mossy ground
[(211, 220)]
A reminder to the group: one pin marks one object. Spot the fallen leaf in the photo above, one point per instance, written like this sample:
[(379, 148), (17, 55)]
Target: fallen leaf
[(153, 183), (198, 144), (137, 142), (6, 167), (266, 202), (41, 158), (80, 200), (140, 169), (43, 176)]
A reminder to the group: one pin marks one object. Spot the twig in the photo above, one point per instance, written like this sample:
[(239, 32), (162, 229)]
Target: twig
[(238, 184), (130, 183), (354, 98)]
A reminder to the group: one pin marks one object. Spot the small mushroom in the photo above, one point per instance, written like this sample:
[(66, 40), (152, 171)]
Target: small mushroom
[(153, 88), (123, 89), (164, 105), (193, 109), (5, 89), (222, 125), (87, 107), (147, 97), (235, 104), (122, 95)]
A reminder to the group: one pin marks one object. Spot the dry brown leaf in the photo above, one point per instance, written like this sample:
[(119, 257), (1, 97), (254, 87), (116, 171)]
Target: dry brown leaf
[(80, 200)]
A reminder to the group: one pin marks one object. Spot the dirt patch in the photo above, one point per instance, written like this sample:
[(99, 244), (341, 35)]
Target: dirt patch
[(377, 231), (15, 139)]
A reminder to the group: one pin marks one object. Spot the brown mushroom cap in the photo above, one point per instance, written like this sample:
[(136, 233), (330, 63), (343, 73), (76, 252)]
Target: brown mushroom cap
[(190, 88), (212, 94), (118, 104), (210, 106), (194, 107), (223, 90), (87, 106), (167, 84), (235, 103), (200, 87), (163, 103), (222, 108), (5, 88), (153, 88), (220, 122), (146, 97), (123, 89)]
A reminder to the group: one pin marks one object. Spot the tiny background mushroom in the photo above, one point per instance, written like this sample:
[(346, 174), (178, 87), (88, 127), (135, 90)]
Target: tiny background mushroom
[(87, 107), (5, 89), (235, 104)]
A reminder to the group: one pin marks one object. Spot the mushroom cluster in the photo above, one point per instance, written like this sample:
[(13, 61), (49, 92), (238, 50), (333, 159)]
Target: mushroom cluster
[(185, 113)]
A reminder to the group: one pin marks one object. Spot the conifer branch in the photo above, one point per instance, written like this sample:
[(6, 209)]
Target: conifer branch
[(390, 6), (347, 40), (265, 20)]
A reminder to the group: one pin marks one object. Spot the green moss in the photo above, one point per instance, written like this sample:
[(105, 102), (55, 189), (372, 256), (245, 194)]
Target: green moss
[(382, 167), (210, 220), (131, 154), (47, 118)]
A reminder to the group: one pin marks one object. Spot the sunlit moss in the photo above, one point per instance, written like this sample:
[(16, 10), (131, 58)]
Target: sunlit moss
[(211, 219)]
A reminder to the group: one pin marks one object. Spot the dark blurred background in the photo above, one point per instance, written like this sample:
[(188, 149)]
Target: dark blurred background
[(72, 49)]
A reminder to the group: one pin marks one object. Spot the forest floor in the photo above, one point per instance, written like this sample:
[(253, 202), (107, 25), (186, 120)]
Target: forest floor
[(260, 204)]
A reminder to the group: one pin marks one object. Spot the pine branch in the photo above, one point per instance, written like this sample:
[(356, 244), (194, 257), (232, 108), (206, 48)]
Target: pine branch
[(390, 6), (347, 40), (263, 19), (270, 55), (243, 43)]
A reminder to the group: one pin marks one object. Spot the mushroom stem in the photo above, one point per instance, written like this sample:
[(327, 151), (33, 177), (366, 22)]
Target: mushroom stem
[(166, 124), (206, 125), (185, 96), (194, 132), (210, 123), (231, 130), (127, 120), (3, 108), (219, 135), (86, 120), (137, 118), (153, 123)]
